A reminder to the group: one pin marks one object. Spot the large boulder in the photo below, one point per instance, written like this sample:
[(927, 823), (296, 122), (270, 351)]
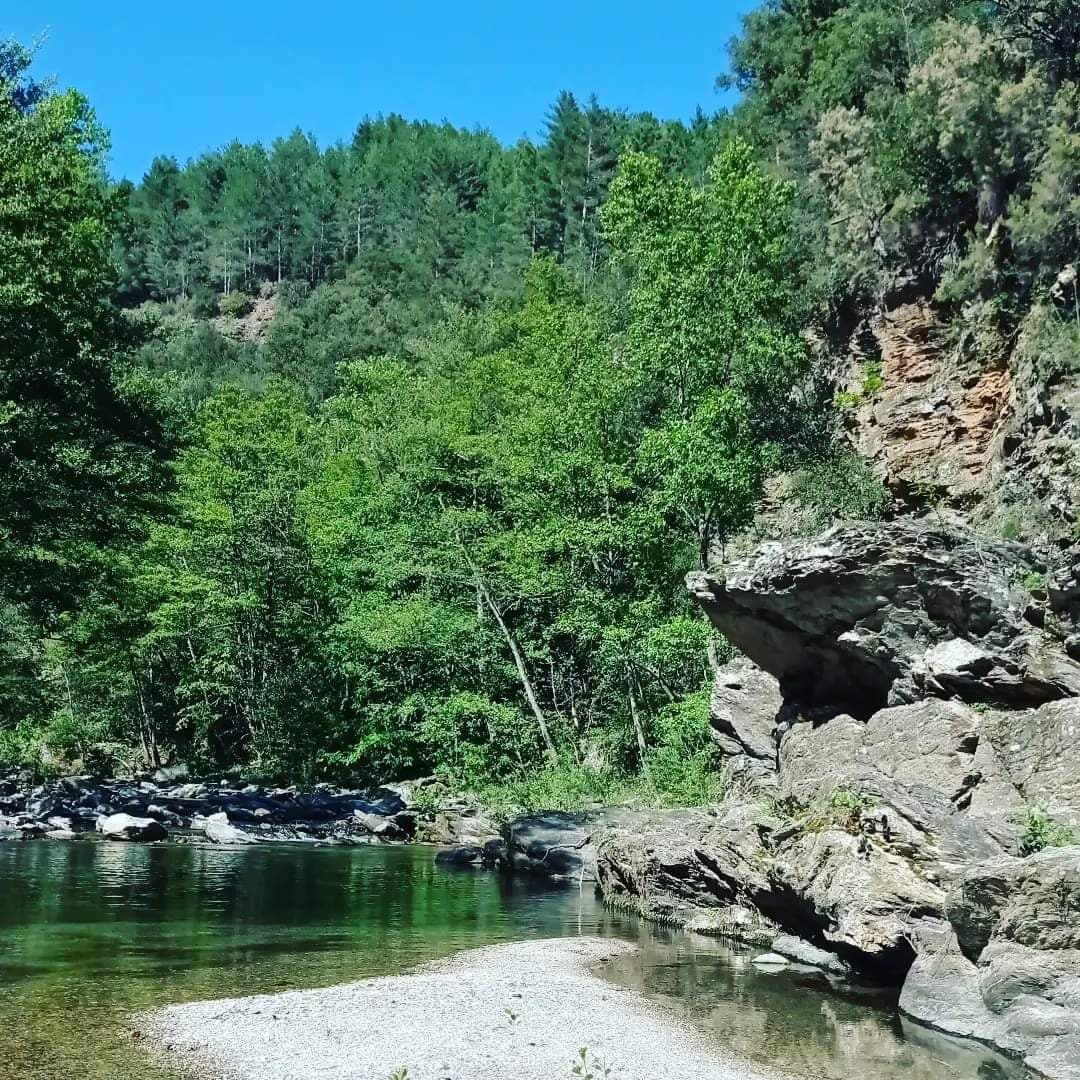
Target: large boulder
[(554, 844), (869, 615), (126, 827), (1007, 967), (692, 868)]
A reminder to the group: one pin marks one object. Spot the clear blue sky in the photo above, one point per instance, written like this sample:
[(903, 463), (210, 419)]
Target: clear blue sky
[(188, 77)]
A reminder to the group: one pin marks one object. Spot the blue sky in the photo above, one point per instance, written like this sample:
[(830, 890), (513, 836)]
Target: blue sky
[(189, 77)]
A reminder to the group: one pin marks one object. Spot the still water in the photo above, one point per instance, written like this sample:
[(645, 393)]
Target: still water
[(90, 932)]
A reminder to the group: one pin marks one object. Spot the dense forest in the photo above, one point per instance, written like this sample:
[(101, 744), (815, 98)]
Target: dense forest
[(390, 458)]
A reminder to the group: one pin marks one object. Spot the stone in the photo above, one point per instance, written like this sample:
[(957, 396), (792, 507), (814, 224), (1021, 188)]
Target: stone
[(170, 774), (802, 951), (771, 960), (126, 827), (1038, 754), (743, 714), (219, 830), (555, 845), (874, 614), (462, 855), (382, 827), (1009, 973)]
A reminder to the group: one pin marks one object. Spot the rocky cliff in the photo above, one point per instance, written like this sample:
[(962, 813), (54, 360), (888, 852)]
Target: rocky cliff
[(901, 738)]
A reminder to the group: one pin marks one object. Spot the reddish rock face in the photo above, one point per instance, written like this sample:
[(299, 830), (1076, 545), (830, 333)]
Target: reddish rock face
[(937, 421)]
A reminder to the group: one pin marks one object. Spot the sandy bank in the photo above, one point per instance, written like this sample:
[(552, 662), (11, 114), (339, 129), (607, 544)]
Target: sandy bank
[(507, 1012)]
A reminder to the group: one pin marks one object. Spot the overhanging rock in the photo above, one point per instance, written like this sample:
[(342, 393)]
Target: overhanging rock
[(869, 615)]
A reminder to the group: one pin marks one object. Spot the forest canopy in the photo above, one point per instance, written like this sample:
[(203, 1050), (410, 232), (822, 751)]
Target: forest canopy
[(390, 457)]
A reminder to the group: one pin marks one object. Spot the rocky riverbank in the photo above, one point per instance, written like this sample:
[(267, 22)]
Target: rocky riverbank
[(219, 811), (905, 780)]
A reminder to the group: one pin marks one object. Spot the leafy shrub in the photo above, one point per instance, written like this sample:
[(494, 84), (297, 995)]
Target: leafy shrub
[(842, 488), (682, 770), (872, 381), (1010, 529), (235, 305), (565, 786), (1033, 581), (474, 740), (1041, 831)]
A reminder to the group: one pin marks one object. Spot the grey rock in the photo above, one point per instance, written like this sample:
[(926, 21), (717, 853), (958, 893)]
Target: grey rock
[(169, 774), (805, 953), (126, 827), (1011, 974), (771, 960), (382, 827), (1037, 752), (461, 855), (868, 615), (556, 845), (742, 716), (456, 823), (219, 830)]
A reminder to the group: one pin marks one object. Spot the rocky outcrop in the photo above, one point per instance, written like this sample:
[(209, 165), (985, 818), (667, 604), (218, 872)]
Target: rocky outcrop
[(938, 420), (882, 614), (1007, 967), (919, 736)]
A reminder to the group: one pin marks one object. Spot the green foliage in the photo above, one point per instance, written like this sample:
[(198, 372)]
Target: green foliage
[(589, 1066), (841, 808), (710, 327), (80, 448), (1010, 528), (235, 304), (1033, 581), (841, 488), (684, 768), (872, 382), (1041, 831)]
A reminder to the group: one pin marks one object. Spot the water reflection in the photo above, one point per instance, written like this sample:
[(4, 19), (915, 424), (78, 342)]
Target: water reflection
[(794, 1018), (91, 932)]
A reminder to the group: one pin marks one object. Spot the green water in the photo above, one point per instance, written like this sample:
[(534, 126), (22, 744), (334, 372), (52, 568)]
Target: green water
[(92, 932)]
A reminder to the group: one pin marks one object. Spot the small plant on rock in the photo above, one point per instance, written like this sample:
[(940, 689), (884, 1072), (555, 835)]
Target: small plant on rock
[(1041, 831), (841, 808), (1033, 581)]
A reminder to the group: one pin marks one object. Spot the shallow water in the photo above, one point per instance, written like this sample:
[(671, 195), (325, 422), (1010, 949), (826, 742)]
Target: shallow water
[(90, 932)]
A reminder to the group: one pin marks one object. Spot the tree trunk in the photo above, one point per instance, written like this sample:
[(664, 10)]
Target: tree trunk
[(519, 660)]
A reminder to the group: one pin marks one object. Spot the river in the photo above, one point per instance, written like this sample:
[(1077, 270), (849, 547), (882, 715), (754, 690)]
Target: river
[(90, 932)]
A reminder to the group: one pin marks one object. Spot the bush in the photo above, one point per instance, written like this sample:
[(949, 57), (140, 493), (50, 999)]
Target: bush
[(683, 769), (842, 488), (566, 786), (235, 304), (1041, 831)]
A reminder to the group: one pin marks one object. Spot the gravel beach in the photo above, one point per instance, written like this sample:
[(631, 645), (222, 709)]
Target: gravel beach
[(507, 1012)]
